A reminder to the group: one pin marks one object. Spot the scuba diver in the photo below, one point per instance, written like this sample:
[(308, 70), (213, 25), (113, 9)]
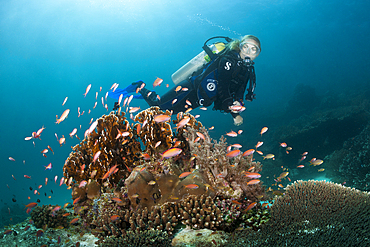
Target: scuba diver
[(218, 75)]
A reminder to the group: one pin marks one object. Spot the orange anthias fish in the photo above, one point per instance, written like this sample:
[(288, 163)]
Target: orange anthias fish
[(232, 134), (96, 156), (114, 217), (250, 206), (171, 152), (74, 221), (64, 116), (87, 90), (264, 129), (157, 82), (254, 181), (161, 118), (184, 174), (233, 153), (259, 144), (252, 175), (248, 152), (31, 205), (192, 186), (201, 136), (183, 122)]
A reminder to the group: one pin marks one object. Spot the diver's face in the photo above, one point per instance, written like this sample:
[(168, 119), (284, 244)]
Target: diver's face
[(249, 48)]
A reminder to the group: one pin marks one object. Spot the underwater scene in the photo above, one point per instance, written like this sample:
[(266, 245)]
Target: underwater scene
[(184, 123)]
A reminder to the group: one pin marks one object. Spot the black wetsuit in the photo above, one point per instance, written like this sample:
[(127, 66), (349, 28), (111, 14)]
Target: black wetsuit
[(221, 82)]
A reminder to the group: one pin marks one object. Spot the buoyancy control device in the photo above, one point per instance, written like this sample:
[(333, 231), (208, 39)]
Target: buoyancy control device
[(199, 60)]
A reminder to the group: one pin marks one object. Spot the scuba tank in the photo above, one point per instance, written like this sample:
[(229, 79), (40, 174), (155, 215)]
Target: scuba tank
[(199, 60)]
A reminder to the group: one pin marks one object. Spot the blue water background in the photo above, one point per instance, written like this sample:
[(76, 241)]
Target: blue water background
[(53, 49)]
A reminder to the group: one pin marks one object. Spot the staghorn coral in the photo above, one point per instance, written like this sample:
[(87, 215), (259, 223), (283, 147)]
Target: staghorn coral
[(116, 149), (45, 216)]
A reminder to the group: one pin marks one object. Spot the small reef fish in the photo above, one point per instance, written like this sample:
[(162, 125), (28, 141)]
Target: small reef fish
[(254, 181), (259, 144), (48, 167), (321, 170), (264, 129), (171, 152), (269, 156), (178, 88), (200, 135), (183, 122), (192, 186), (145, 156), (116, 199), (250, 206), (74, 131), (184, 174), (233, 153), (87, 90), (74, 221), (114, 217), (248, 152), (283, 145), (11, 159), (151, 182), (157, 82), (26, 176), (65, 100), (31, 205), (96, 156), (64, 116), (232, 134), (134, 109), (283, 175), (252, 175), (300, 166), (161, 118), (317, 162), (76, 200)]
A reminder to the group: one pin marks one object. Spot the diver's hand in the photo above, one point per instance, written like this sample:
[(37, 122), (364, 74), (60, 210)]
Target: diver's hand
[(238, 120), (250, 96)]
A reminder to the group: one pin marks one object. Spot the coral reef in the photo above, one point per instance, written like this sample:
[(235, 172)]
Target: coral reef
[(156, 179), (320, 203), (148, 238), (313, 213), (113, 138), (49, 216)]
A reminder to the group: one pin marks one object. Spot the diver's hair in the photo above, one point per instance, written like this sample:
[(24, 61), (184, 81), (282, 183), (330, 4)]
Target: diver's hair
[(235, 44)]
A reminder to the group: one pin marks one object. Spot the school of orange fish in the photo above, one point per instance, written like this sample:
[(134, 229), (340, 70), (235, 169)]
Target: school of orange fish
[(233, 150)]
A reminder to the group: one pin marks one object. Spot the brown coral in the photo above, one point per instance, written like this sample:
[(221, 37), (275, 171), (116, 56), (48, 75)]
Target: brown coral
[(152, 132), (320, 203), (115, 149)]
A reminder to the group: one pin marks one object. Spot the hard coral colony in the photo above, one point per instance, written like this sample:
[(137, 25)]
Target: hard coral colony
[(134, 185)]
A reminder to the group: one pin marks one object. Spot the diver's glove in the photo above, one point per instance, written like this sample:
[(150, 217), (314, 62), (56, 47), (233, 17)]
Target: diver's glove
[(250, 96), (238, 120), (116, 106)]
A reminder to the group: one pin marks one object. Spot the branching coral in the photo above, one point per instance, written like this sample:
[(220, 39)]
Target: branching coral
[(225, 175), (156, 136), (113, 138), (49, 216)]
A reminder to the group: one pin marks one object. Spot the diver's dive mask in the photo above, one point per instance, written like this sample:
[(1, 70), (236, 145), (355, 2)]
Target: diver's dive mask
[(248, 49)]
